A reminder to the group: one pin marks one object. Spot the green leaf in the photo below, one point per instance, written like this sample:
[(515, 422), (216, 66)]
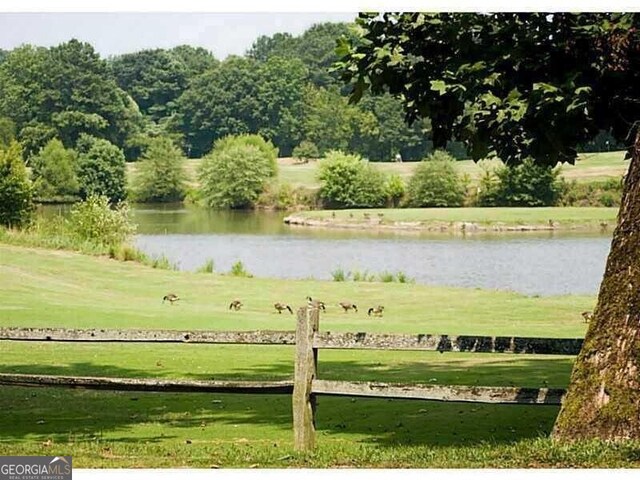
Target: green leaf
[(439, 86), (545, 87)]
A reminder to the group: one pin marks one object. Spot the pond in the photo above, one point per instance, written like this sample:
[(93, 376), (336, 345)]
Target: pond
[(547, 263)]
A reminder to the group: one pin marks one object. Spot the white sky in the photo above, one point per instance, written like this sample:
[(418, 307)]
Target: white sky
[(131, 25), (114, 33)]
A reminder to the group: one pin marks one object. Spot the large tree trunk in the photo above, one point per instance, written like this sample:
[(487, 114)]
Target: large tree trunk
[(603, 399)]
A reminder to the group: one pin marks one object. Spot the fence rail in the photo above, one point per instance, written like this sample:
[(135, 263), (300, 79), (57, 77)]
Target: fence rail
[(442, 393), (257, 337), (305, 385), (448, 343), (329, 340), (147, 384)]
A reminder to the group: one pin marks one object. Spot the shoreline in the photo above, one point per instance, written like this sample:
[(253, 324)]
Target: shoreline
[(432, 226)]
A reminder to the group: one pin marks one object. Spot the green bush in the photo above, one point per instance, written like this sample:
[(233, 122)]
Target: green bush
[(16, 191), (607, 193), (208, 267), (386, 277), (236, 171), (161, 176), (268, 150), (524, 185), (54, 172), (348, 181), (306, 151), (339, 275), (395, 189), (96, 221), (436, 183), (101, 168), (238, 270)]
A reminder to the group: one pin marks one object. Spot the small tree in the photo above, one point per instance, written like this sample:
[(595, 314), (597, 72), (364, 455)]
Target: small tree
[(525, 185), (235, 172), (349, 181), (95, 220), (161, 176), (54, 170), (101, 168), (436, 183), (395, 189), (306, 151), (16, 204)]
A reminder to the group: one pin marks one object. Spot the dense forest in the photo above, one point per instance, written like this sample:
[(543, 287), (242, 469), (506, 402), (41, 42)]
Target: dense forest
[(282, 89), (75, 118)]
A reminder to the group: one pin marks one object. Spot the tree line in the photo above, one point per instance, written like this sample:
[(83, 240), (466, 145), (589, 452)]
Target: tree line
[(282, 89)]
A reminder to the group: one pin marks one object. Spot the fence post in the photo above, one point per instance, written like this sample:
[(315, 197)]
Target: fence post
[(304, 402)]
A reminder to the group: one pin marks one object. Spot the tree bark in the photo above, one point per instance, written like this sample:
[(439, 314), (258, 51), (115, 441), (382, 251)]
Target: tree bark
[(603, 399)]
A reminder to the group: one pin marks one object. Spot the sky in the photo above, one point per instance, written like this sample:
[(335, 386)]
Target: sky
[(114, 33), (132, 25)]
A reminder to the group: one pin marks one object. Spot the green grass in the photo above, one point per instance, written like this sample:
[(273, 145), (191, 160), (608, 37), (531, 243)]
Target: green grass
[(588, 167), (112, 429)]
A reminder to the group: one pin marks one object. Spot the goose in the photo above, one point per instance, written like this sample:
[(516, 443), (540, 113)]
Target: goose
[(171, 297), (315, 304), (348, 306), (377, 311), (235, 305), (282, 306)]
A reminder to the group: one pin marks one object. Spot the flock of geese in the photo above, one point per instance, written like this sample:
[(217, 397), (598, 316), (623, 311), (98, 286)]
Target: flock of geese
[(280, 307)]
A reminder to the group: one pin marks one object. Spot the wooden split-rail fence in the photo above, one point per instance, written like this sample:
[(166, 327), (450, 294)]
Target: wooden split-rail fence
[(305, 385)]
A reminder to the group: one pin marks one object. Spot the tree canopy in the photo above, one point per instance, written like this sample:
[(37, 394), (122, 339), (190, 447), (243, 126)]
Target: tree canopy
[(63, 92), (514, 85)]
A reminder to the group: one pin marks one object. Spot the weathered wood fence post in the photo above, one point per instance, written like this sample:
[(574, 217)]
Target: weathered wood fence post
[(306, 363)]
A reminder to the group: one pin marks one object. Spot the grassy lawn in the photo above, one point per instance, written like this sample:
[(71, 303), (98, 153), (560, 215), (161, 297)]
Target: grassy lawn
[(115, 429), (589, 167)]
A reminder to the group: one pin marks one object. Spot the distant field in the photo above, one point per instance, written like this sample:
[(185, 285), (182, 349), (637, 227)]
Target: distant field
[(108, 429), (589, 167)]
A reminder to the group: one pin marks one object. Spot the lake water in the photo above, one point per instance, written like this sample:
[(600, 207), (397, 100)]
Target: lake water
[(532, 263)]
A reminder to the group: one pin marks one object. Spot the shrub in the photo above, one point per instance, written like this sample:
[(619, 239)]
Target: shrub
[(386, 277), (306, 151), (436, 183), (607, 193), (235, 172), (395, 189), (348, 181), (54, 171), (161, 175), (16, 191), (339, 275), (280, 196), (363, 276), (524, 185), (404, 278), (208, 267), (95, 220), (101, 168), (238, 270), (127, 253)]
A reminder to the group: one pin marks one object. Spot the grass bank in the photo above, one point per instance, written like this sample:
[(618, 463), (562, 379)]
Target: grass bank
[(111, 429), (458, 219)]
